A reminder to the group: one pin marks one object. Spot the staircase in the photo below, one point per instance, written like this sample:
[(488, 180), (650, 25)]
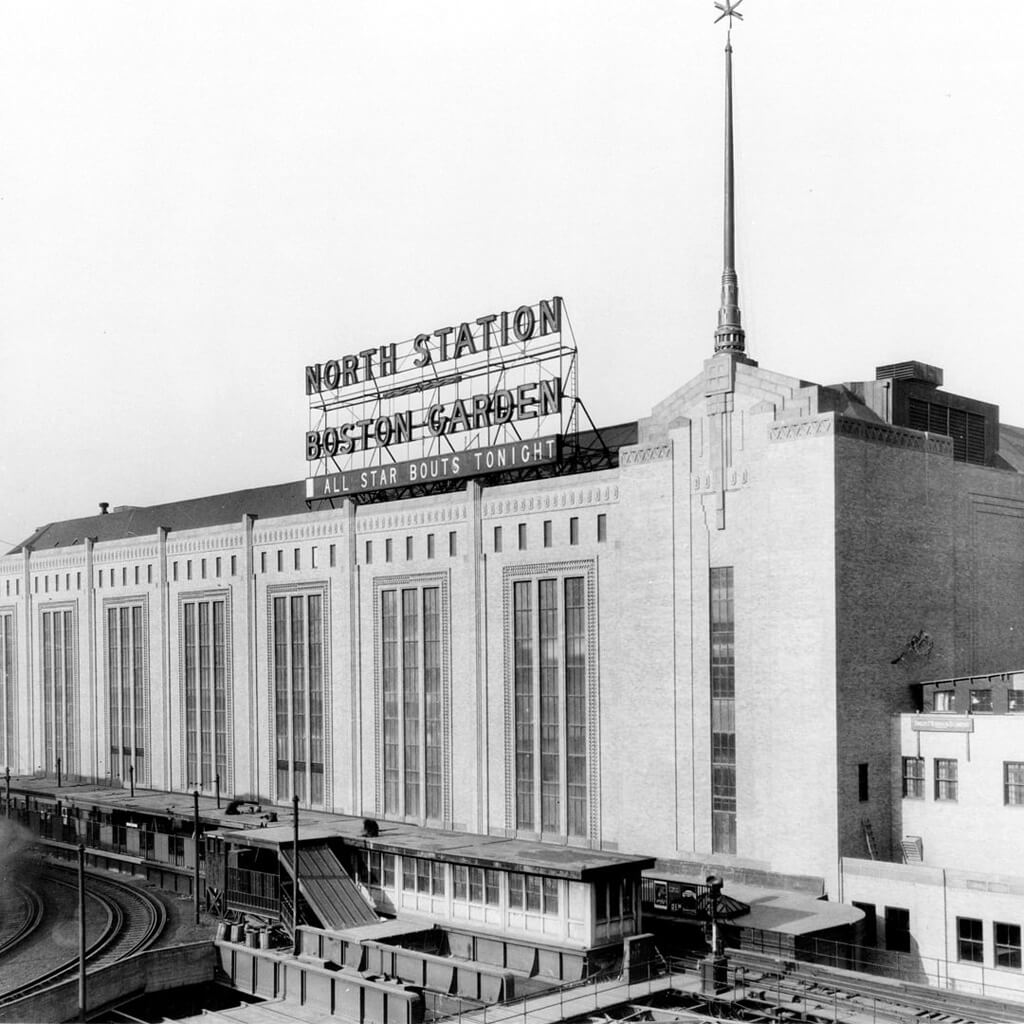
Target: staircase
[(327, 889)]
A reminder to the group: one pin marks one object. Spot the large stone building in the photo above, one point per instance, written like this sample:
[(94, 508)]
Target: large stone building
[(693, 654)]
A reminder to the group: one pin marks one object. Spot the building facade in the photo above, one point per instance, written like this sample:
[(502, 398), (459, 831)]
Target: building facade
[(694, 654)]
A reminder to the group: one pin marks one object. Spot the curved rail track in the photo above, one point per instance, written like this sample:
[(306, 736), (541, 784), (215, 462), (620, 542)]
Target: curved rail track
[(130, 921), (30, 914)]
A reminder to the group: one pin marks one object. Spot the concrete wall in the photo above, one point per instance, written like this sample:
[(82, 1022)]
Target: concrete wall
[(935, 898), (977, 831), (153, 971)]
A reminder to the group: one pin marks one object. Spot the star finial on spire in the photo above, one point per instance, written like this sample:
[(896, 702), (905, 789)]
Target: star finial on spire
[(728, 9)]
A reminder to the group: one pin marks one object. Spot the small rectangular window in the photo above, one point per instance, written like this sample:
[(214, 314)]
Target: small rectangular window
[(188, 569), (913, 778), (862, 783), (369, 552), (263, 561), (136, 575), (943, 700), (547, 533), (297, 559), (897, 929), (516, 890), (945, 778), (453, 544), (430, 545), (1015, 700), (574, 530), (387, 550), (970, 940), (602, 527), (408, 549), (497, 539), (124, 575), (1007, 942), (149, 573), (332, 554), (522, 536), (1013, 783), (202, 568), (312, 557), (981, 701), (216, 567), (174, 572), (112, 577), (234, 565), (46, 584), (78, 581), (280, 560)]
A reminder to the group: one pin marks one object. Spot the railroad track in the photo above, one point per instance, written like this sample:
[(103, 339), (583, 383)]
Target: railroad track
[(133, 921), (30, 914)]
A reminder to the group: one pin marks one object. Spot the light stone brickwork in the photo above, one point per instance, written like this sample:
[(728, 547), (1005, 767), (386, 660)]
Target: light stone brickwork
[(846, 537)]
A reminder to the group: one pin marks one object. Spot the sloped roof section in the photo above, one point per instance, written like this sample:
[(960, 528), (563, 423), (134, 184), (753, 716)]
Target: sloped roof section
[(601, 446), (217, 510)]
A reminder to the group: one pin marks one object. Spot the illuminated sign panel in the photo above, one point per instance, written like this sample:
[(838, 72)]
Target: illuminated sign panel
[(492, 394)]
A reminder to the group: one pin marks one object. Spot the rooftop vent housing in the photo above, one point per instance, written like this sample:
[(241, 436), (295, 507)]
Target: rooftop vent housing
[(910, 370)]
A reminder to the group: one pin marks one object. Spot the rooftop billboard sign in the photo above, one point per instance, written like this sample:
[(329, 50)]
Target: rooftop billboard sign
[(492, 394)]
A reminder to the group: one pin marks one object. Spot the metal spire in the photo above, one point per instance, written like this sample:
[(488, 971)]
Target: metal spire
[(729, 336)]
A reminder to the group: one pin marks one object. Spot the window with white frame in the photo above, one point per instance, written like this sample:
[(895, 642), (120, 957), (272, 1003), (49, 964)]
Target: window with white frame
[(298, 659), (423, 876), (533, 893), (913, 778), (549, 682), (204, 670), (970, 940), (1013, 783), (60, 686), (1007, 945), (946, 778), (128, 690), (476, 885), (412, 694), (8, 691)]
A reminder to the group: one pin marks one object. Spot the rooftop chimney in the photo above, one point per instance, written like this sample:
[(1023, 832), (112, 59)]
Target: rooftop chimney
[(104, 507)]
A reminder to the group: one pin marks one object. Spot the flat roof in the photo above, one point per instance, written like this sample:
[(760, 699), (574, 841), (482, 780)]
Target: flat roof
[(498, 852), (253, 829)]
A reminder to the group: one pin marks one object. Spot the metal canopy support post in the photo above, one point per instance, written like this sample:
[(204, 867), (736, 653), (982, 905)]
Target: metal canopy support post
[(195, 852), (295, 875)]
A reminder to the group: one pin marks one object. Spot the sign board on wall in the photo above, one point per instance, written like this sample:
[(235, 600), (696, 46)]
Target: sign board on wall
[(489, 395)]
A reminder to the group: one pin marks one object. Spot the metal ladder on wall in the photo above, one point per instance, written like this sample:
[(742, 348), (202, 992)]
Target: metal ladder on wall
[(869, 838)]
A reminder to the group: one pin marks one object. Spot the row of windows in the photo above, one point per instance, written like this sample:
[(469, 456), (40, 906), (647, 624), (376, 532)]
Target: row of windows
[(482, 886), (215, 567), (548, 533), (979, 700), (946, 781), (1006, 942)]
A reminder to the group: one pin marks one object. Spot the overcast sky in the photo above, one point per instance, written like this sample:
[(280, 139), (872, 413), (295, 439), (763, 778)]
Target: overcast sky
[(198, 199)]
